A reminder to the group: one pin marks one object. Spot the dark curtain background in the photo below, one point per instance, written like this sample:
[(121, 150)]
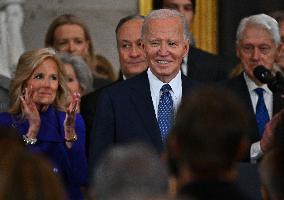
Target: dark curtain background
[(231, 12)]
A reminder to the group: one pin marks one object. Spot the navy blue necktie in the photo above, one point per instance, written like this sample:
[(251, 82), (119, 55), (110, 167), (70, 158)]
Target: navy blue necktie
[(165, 111), (261, 113)]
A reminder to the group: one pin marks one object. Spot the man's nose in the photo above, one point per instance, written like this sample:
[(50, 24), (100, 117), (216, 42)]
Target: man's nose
[(256, 54), (134, 51), (163, 49)]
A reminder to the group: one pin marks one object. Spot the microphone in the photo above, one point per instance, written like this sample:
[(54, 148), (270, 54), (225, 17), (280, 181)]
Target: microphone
[(274, 83)]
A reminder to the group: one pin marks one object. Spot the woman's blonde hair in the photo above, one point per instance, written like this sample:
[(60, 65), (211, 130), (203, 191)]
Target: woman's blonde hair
[(28, 62)]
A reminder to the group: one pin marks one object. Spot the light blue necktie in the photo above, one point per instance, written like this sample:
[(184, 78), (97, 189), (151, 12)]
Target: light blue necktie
[(165, 112), (261, 113)]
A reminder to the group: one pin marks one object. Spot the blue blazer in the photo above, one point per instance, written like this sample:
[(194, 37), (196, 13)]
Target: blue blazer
[(71, 164), (125, 113)]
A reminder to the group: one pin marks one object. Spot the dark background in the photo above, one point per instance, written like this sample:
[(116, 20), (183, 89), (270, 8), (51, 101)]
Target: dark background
[(230, 12)]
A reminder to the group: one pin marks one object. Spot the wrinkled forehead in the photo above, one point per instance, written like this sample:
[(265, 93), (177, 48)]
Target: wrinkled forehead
[(166, 24)]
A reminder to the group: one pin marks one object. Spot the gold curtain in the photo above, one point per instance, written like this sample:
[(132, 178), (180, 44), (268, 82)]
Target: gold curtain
[(145, 6), (204, 26)]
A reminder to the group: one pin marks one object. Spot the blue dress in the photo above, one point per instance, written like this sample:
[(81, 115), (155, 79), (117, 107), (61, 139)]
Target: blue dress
[(71, 164)]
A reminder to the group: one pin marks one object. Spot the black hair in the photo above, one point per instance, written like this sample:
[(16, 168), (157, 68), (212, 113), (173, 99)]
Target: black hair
[(126, 19)]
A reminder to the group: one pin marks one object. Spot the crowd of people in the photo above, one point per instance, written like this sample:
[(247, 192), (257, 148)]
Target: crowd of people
[(176, 124)]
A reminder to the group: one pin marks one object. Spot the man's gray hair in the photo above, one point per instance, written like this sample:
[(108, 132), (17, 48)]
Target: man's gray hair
[(81, 69), (128, 171), (164, 14), (263, 21)]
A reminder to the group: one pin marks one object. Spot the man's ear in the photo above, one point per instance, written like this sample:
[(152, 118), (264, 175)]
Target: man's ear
[(280, 48), (186, 48)]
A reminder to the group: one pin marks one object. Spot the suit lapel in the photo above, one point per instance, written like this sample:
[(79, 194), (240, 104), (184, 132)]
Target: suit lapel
[(142, 100), (242, 89), (188, 85), (244, 93)]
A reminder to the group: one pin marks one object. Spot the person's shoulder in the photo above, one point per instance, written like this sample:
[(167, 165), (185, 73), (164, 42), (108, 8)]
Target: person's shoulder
[(92, 96), (5, 115), (236, 81), (189, 82), (100, 83), (127, 84), (6, 118), (206, 60)]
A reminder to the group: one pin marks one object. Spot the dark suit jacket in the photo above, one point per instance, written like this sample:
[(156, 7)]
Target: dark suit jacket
[(125, 113), (100, 83), (206, 67), (88, 110), (239, 87), (213, 190), (248, 180)]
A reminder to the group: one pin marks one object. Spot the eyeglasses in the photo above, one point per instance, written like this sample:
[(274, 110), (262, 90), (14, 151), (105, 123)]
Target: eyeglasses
[(250, 49)]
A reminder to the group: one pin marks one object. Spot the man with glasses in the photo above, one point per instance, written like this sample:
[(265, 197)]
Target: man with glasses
[(257, 43)]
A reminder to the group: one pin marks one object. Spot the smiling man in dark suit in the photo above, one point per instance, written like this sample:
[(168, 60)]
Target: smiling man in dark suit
[(134, 109)]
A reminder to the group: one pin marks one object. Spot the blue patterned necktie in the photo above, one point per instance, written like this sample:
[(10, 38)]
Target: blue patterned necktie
[(261, 113), (165, 111)]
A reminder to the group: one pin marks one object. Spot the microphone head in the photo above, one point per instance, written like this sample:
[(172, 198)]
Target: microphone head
[(262, 74)]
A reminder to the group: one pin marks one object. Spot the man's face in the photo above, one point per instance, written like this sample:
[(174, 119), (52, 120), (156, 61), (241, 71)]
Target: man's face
[(183, 6), (256, 48), (280, 58), (129, 44), (165, 47)]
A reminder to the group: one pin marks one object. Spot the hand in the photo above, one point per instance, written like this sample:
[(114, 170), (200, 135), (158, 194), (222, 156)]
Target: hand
[(30, 112), (69, 122), (266, 142)]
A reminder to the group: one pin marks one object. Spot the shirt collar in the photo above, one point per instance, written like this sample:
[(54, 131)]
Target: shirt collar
[(175, 83), (252, 86), (185, 58)]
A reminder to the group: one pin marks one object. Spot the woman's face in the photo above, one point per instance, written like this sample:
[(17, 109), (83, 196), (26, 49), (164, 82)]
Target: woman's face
[(72, 81), (70, 38), (43, 83)]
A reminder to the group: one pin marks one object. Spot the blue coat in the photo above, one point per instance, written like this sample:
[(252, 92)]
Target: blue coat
[(71, 164)]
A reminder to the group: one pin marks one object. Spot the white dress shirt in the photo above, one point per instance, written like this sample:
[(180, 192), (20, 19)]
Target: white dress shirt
[(255, 150), (183, 65), (156, 85)]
